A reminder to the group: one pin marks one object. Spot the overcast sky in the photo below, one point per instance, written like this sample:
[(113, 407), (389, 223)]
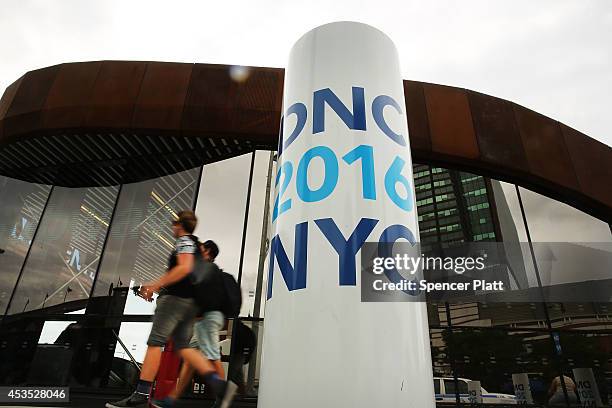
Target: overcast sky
[(552, 56)]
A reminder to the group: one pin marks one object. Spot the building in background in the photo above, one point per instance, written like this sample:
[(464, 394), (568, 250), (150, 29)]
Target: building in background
[(454, 206)]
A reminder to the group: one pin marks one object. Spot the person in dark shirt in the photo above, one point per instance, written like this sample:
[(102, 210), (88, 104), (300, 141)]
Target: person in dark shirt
[(174, 317)]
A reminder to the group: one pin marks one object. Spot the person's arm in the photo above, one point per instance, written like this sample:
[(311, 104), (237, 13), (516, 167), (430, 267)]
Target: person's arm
[(184, 266)]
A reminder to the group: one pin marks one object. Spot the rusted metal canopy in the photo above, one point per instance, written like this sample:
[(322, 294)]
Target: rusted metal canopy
[(111, 122)]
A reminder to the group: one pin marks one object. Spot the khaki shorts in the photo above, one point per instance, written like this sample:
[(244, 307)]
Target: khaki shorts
[(206, 334), (173, 319)]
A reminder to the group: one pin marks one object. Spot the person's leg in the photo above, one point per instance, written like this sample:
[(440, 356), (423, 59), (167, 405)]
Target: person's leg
[(185, 377), (219, 368), (186, 373), (150, 364), (165, 321), (224, 391), (207, 332), (193, 357), (197, 361), (201, 336)]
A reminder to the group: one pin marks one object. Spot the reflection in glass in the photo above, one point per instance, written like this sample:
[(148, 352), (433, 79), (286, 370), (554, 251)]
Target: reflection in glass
[(491, 356), (62, 262), (21, 205), (570, 246), (253, 234), (573, 252), (269, 231), (140, 239), (52, 331), (439, 353), (584, 354), (134, 337), (453, 206), (253, 367), (220, 210), (553, 221), (513, 233)]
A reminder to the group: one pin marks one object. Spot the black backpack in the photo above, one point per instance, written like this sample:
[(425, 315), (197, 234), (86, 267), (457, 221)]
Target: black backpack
[(215, 289), (232, 302)]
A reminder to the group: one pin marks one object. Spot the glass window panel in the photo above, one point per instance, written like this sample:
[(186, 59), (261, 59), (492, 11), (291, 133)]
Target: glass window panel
[(18, 344), (513, 232), (140, 239), (73, 352), (254, 230), (65, 254), (589, 352), (451, 388), (52, 330), (584, 316), (553, 221), (439, 353), (242, 359), (574, 257), (134, 336), (21, 206), (220, 208), (503, 222), (491, 356), (264, 291)]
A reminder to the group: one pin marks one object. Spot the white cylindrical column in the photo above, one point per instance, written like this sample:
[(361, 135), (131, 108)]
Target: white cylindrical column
[(344, 177)]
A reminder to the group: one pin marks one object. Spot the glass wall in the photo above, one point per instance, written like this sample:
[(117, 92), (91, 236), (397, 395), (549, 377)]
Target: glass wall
[(570, 244), (549, 248), (588, 354), (492, 356), (21, 205), (140, 239), (221, 208), (133, 344), (253, 235), (113, 238), (62, 263)]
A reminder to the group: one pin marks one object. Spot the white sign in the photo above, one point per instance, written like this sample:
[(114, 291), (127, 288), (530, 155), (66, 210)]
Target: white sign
[(586, 386), (522, 389), (344, 178), (474, 392)]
